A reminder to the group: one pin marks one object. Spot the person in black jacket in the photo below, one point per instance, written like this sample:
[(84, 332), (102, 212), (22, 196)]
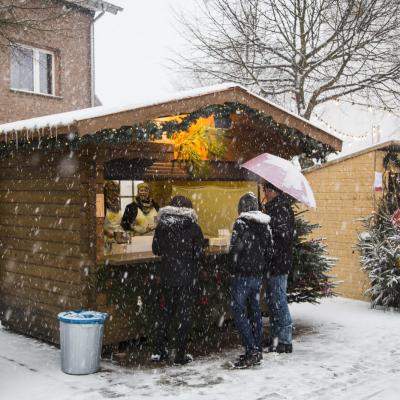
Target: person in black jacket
[(249, 248), (277, 206), (179, 241), (140, 214)]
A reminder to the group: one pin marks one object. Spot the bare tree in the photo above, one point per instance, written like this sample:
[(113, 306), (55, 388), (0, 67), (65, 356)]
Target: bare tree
[(301, 52)]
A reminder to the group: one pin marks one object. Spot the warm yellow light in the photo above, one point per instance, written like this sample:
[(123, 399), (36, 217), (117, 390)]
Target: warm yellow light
[(193, 140)]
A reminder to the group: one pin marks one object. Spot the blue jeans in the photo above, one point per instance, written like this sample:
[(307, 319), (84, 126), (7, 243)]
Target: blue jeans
[(247, 290), (279, 315)]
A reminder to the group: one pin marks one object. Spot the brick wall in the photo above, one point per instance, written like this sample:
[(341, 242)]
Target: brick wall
[(344, 193), (69, 38)]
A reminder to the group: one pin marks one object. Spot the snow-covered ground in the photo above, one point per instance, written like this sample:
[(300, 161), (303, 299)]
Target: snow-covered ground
[(344, 350)]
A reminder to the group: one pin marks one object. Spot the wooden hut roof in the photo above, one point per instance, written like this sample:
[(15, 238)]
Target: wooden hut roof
[(91, 120), (384, 146)]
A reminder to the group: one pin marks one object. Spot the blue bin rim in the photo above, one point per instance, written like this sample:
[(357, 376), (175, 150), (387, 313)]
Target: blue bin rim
[(82, 317)]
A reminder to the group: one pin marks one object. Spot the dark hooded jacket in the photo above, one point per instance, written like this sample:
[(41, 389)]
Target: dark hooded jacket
[(179, 241), (282, 227), (250, 244)]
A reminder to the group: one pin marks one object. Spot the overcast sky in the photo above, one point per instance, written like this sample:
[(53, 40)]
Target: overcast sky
[(132, 51)]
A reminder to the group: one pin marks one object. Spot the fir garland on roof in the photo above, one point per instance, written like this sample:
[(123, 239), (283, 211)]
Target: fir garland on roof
[(126, 134)]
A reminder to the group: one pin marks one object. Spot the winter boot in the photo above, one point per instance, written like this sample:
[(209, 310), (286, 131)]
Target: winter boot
[(243, 356), (270, 345), (249, 360), (284, 348), (186, 359), (159, 356)]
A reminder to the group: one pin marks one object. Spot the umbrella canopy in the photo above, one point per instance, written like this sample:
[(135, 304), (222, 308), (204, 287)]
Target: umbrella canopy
[(284, 175)]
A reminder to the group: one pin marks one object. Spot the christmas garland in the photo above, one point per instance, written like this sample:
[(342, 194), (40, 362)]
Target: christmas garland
[(308, 146), (391, 157)]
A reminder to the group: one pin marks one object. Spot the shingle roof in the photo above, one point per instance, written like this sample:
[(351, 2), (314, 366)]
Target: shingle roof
[(96, 5)]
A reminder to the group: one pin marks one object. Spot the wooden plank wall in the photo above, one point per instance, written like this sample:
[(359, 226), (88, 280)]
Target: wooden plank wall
[(45, 264), (51, 243)]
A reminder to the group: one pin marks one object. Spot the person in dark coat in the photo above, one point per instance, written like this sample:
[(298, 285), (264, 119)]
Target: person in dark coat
[(179, 241), (249, 249), (276, 205), (140, 214)]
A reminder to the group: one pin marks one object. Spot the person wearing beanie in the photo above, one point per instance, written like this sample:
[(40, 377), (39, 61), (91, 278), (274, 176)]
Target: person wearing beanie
[(277, 206), (139, 216), (179, 241), (249, 251)]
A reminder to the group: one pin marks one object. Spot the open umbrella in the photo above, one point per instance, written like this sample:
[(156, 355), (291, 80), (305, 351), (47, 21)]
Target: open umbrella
[(284, 175)]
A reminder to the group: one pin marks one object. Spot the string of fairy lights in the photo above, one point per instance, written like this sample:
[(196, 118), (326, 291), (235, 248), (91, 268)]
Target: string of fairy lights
[(332, 129), (376, 131)]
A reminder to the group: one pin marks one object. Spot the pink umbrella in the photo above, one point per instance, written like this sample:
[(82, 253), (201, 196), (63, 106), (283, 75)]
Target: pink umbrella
[(284, 175)]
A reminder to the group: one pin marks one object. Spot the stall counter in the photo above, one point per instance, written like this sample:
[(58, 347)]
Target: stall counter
[(148, 256)]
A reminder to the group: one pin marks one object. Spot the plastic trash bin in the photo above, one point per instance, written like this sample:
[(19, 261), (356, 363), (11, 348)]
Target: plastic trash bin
[(81, 337)]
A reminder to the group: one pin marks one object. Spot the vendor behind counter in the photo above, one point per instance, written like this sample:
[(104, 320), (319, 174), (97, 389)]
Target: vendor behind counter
[(113, 232), (140, 215)]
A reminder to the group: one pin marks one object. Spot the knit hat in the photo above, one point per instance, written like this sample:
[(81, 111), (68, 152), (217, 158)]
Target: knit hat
[(248, 202), (181, 201), (143, 185)]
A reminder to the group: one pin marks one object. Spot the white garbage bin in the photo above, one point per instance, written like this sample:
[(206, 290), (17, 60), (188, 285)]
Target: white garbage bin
[(81, 337)]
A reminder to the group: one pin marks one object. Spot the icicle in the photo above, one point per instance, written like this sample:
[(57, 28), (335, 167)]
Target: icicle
[(16, 139), (40, 138)]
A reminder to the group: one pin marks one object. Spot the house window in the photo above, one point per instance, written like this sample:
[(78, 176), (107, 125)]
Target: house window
[(32, 70)]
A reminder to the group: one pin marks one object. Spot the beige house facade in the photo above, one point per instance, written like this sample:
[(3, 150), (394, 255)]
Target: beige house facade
[(345, 193)]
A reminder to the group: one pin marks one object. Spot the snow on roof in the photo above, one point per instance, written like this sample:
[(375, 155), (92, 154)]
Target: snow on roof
[(96, 5), (72, 117), (383, 145)]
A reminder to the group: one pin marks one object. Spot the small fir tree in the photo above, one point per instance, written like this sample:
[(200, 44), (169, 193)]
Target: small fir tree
[(309, 281)]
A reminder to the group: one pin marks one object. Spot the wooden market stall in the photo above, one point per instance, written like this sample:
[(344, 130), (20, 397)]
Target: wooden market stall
[(52, 175)]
